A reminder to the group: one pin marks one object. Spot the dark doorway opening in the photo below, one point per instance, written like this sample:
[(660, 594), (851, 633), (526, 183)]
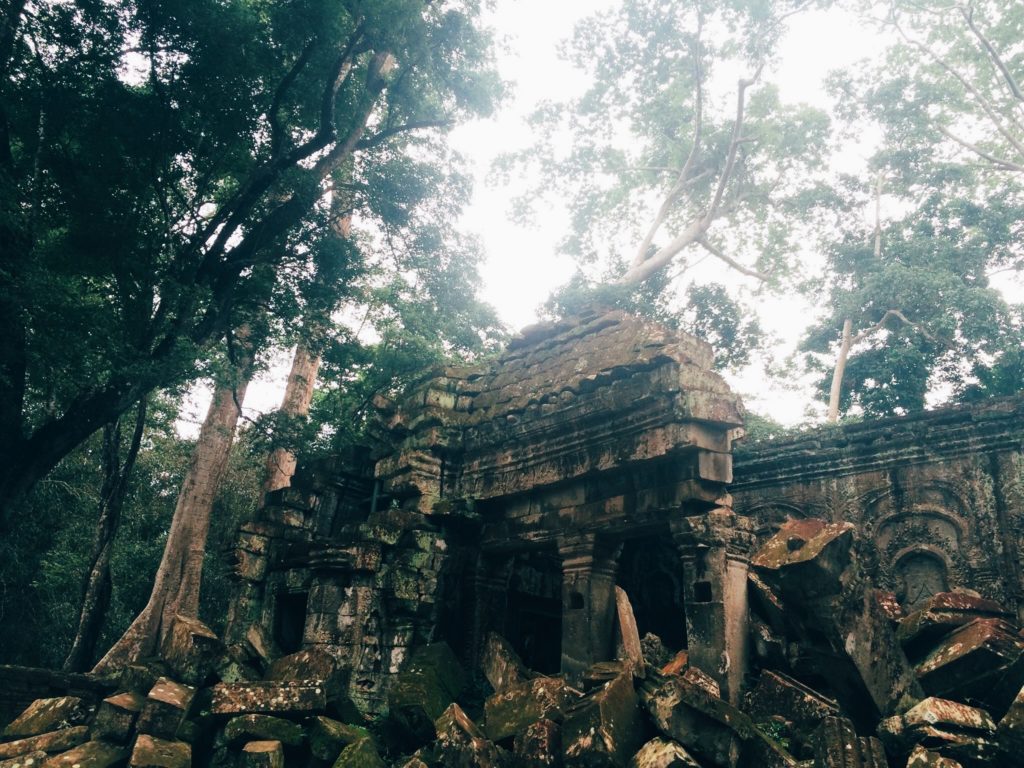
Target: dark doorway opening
[(290, 620), (651, 574), (533, 621)]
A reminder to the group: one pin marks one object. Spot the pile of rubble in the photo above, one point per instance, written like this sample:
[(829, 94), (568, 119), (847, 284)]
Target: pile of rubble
[(839, 679)]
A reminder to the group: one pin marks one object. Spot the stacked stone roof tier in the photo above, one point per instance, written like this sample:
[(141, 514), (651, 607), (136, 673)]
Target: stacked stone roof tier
[(565, 399)]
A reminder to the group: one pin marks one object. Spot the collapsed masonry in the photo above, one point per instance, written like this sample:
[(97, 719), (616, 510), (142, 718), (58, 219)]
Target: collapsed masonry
[(539, 565)]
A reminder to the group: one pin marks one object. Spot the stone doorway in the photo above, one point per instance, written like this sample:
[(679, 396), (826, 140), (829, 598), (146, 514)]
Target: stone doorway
[(651, 574), (533, 619)]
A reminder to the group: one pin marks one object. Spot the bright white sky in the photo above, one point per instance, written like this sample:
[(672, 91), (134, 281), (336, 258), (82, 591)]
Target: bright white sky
[(522, 267)]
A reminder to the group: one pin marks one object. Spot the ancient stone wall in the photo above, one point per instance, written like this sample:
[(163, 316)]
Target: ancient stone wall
[(939, 494), (504, 497)]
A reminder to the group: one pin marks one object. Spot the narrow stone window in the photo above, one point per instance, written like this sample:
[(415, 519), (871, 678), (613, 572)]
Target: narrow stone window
[(702, 592)]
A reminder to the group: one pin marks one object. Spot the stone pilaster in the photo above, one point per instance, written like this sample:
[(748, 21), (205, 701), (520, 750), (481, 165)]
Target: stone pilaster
[(713, 549), (588, 600)]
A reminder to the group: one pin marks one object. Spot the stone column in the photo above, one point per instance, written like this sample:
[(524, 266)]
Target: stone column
[(588, 600), (713, 549)]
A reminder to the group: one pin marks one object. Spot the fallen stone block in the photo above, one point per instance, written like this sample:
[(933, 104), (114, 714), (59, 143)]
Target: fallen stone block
[(654, 651), (949, 715), (263, 754), (191, 650), (55, 741), (511, 711), (456, 725), (982, 661), (166, 707), (923, 758), (627, 645), (940, 614), (710, 728), (46, 715), (263, 728), (605, 727), (890, 605), (267, 697), (307, 665), (1011, 728), (596, 675), (777, 694), (151, 752), (422, 691), (806, 559), (116, 716), (238, 665), (461, 743), (835, 744), (328, 737), (703, 681), (766, 604), (31, 760), (969, 751), (661, 753), (362, 754), (91, 754), (948, 728), (501, 665), (539, 746), (677, 664), (845, 636), (768, 647)]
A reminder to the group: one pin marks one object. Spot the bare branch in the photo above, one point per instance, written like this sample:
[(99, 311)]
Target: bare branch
[(895, 313), (734, 144), (642, 266), (718, 253), (637, 273), (1011, 82), (1006, 165)]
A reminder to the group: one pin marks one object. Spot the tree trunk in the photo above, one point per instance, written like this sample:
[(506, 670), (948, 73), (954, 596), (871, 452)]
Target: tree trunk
[(96, 594), (844, 348), (297, 396), (179, 576), (839, 372)]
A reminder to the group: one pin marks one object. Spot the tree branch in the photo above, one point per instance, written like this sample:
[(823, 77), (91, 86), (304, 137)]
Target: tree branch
[(1004, 164), (273, 113), (968, 14), (227, 220), (416, 125), (684, 173), (984, 103), (895, 313), (718, 253), (734, 143)]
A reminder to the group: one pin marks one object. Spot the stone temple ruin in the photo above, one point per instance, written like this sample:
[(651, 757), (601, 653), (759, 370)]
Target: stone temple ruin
[(548, 561)]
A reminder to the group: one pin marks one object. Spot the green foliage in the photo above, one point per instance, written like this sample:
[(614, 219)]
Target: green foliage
[(615, 153), (952, 164), (44, 559), (165, 166), (962, 339)]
